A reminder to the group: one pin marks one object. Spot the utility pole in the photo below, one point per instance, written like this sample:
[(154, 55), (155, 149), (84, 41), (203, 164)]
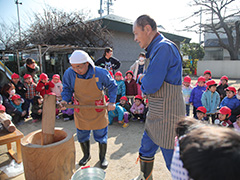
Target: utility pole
[(200, 28), (100, 11), (19, 27)]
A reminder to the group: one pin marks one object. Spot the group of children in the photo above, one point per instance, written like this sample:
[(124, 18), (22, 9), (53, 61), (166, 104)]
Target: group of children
[(125, 108), (213, 103), (18, 98)]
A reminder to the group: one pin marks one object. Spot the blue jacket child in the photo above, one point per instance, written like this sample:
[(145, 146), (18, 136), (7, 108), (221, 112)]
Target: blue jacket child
[(118, 112), (232, 103), (210, 98), (196, 96)]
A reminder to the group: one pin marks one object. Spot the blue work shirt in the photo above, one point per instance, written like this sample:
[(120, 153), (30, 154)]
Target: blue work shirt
[(165, 65), (104, 80)]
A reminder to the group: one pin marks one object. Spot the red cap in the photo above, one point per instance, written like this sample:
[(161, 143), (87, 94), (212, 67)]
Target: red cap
[(207, 72), (15, 76), (224, 77), (210, 83), (124, 98), (138, 97), (225, 110), (230, 88), (118, 73), (56, 76), (43, 76), (202, 109), (201, 78), (2, 108), (16, 96), (187, 79), (129, 72), (27, 76)]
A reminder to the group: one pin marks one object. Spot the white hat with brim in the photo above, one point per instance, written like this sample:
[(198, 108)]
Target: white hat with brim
[(79, 57)]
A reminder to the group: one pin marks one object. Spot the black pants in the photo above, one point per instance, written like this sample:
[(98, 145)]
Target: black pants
[(36, 116)]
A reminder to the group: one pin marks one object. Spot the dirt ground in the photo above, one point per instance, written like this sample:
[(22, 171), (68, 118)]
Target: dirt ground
[(122, 153)]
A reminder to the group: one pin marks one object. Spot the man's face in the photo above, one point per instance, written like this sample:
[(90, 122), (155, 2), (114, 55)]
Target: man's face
[(109, 54), (80, 68), (32, 66), (141, 36)]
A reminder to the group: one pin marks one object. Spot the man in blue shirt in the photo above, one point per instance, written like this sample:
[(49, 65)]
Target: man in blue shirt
[(161, 82), (87, 82)]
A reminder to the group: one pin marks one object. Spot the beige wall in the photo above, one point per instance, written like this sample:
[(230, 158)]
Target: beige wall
[(220, 68)]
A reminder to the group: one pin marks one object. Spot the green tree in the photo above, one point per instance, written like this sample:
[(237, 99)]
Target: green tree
[(195, 52)]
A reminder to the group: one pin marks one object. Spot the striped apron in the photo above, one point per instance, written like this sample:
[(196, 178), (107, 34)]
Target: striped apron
[(166, 107)]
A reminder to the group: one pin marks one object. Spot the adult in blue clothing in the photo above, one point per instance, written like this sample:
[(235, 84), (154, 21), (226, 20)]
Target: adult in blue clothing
[(87, 82), (107, 61), (161, 82)]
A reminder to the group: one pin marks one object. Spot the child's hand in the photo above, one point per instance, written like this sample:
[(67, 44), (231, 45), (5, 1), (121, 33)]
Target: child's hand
[(40, 111), (24, 113)]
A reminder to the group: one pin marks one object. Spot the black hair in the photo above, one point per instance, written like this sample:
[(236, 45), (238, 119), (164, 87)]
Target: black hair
[(107, 50), (144, 20), (211, 153), (36, 98), (6, 87), (30, 61)]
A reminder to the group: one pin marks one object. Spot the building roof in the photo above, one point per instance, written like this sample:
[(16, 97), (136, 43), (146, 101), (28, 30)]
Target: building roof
[(117, 23), (214, 42)]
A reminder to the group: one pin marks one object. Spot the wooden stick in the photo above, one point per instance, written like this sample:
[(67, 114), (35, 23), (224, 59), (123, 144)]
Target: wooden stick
[(48, 119), (84, 106)]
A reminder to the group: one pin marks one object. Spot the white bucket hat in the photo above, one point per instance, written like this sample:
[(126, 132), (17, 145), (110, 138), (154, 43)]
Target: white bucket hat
[(79, 57)]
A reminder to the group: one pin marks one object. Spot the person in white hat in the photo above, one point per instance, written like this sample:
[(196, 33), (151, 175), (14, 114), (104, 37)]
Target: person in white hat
[(87, 82)]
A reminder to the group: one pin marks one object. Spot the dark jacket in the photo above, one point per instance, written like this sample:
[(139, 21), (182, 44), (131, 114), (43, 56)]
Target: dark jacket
[(36, 107), (131, 88), (10, 109), (221, 90), (109, 64), (20, 89)]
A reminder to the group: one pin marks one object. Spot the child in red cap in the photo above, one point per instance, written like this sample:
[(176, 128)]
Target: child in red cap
[(210, 100), (223, 117), (222, 86), (57, 89), (121, 85), (19, 111), (31, 88), (137, 108), (201, 113), (231, 101), (19, 86), (208, 75), (196, 94), (186, 90), (44, 86)]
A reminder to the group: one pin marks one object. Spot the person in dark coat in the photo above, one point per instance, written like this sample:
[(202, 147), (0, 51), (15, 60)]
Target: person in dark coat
[(107, 61), (131, 85), (222, 86)]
